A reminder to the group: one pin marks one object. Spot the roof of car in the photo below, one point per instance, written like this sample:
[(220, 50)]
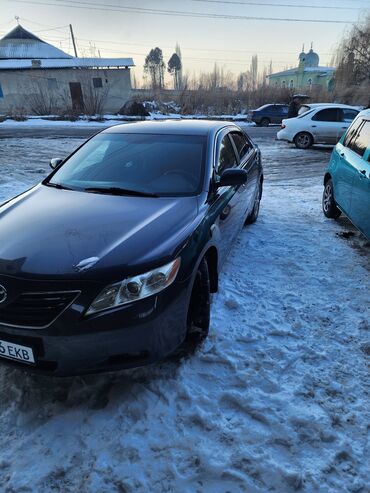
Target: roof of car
[(336, 105), (365, 113), (179, 127)]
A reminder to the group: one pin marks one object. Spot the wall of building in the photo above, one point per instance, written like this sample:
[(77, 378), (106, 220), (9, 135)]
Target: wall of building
[(301, 80), (45, 91)]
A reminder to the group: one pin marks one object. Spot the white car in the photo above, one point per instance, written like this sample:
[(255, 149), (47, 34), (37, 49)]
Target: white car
[(318, 124)]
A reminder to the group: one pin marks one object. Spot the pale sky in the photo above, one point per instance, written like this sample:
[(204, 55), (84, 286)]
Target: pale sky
[(204, 40)]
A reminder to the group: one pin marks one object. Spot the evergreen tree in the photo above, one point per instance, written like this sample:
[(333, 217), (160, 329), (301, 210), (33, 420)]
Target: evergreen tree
[(154, 67)]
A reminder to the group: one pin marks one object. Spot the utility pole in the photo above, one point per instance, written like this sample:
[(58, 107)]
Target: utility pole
[(73, 40)]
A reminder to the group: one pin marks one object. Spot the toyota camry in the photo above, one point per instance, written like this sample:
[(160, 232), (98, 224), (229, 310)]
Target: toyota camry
[(110, 261)]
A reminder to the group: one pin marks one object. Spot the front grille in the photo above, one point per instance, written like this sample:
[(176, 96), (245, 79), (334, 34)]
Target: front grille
[(36, 309)]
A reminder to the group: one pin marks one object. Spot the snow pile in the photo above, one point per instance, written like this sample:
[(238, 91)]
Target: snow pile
[(277, 399)]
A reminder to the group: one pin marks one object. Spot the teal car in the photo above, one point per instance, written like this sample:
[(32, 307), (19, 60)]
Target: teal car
[(347, 179)]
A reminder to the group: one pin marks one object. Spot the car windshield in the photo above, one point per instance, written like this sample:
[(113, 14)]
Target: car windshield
[(127, 163)]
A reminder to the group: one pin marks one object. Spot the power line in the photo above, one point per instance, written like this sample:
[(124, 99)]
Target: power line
[(236, 2), (176, 13)]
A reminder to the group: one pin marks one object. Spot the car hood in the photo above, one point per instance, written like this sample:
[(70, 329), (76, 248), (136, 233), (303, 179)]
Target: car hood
[(51, 233)]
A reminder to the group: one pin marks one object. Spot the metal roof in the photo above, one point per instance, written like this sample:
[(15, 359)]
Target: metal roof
[(21, 44), (16, 64), (21, 49)]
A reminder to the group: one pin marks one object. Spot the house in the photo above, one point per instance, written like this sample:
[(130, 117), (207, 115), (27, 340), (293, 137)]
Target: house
[(36, 77), (307, 75)]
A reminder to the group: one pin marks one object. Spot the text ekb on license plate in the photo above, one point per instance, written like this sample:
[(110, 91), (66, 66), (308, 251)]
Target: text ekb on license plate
[(16, 352)]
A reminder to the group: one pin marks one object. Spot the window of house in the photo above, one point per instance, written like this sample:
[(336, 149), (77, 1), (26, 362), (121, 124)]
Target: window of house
[(226, 155), (52, 83), (327, 115), (360, 143), (291, 84), (283, 83), (1, 92), (309, 83), (97, 82)]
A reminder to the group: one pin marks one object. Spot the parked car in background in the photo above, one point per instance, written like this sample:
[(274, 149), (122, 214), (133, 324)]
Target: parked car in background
[(317, 124), (347, 180), (110, 261), (268, 113)]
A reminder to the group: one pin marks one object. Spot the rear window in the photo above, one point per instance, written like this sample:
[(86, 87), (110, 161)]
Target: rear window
[(303, 109), (348, 115)]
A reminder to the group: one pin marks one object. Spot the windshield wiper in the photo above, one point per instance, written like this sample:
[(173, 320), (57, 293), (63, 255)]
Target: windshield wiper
[(119, 191), (57, 185)]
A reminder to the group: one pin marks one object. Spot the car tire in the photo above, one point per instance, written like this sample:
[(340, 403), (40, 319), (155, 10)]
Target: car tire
[(265, 122), (329, 206), (199, 310), (252, 216), (303, 140)]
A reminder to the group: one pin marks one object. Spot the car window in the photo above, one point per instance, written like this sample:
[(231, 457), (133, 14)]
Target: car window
[(303, 109), (327, 115), (274, 109), (284, 109), (352, 131), (164, 165), (362, 140), (226, 155), (242, 144), (347, 115)]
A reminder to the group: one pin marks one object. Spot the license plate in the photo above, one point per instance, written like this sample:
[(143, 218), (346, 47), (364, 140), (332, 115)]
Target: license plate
[(16, 352)]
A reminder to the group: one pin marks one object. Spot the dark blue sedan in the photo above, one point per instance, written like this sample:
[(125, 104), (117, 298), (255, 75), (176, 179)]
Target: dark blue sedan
[(269, 113), (110, 261)]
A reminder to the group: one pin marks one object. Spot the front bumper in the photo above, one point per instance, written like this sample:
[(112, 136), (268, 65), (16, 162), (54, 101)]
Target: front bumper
[(133, 335)]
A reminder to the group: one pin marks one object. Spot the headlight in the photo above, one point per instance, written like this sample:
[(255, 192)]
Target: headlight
[(135, 288)]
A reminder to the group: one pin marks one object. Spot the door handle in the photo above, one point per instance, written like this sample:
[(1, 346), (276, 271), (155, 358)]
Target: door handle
[(313, 126), (342, 154), (225, 213)]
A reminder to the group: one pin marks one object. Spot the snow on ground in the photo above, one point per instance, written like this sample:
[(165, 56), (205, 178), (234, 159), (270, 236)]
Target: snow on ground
[(277, 399), (108, 120)]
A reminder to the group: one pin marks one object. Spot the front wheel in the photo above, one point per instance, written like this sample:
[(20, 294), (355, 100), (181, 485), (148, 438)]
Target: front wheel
[(199, 310), (329, 205), (303, 140), (252, 216)]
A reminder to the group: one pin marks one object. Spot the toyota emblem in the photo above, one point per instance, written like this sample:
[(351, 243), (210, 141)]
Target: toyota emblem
[(3, 294)]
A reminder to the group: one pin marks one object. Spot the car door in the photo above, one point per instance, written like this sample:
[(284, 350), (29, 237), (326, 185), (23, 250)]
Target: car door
[(274, 114), (360, 200), (224, 202), (248, 160), (325, 126), (344, 171)]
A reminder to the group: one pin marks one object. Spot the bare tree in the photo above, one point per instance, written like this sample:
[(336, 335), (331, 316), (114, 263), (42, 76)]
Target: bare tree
[(353, 58)]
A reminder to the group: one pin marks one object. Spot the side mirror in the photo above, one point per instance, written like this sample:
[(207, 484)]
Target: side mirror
[(55, 162), (232, 177)]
